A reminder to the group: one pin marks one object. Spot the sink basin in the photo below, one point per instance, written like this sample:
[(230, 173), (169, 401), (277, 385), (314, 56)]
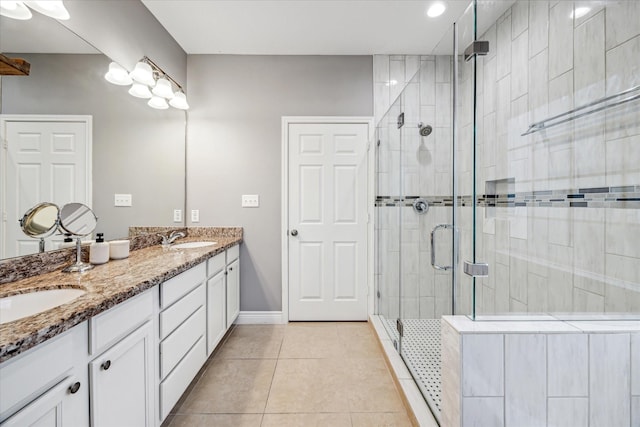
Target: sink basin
[(16, 307), (193, 245)]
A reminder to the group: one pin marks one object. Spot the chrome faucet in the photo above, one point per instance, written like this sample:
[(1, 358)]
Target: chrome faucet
[(175, 235)]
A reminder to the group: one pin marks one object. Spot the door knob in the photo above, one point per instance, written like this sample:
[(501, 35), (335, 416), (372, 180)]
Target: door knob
[(294, 232)]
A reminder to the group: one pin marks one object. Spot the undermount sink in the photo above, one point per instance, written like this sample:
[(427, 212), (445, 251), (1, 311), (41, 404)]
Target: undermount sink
[(16, 307), (193, 245)]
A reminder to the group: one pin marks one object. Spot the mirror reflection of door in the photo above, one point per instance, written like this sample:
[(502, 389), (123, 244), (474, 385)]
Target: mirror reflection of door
[(45, 159)]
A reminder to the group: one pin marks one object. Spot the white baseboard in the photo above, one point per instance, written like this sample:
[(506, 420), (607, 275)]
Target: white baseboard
[(259, 318)]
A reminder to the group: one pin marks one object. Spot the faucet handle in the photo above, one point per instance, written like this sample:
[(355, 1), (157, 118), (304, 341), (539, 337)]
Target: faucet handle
[(165, 240)]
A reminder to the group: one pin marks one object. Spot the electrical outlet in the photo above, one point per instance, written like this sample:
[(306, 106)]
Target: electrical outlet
[(177, 215), (122, 200), (250, 201), (195, 215)]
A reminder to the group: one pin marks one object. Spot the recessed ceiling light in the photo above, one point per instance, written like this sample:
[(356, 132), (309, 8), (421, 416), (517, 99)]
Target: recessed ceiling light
[(579, 12), (436, 9)]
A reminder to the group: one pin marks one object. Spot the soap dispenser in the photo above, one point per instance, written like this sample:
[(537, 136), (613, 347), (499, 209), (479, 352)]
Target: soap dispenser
[(99, 250)]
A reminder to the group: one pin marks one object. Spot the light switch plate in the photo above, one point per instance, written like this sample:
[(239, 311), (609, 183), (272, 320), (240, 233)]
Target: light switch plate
[(195, 215), (177, 215), (250, 200), (122, 200)]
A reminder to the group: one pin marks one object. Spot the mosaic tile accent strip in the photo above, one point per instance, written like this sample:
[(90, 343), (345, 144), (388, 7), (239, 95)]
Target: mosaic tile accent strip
[(627, 197)]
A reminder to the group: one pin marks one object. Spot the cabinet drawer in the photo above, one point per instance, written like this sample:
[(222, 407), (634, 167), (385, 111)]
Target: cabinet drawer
[(32, 373), (173, 289), (172, 388), (109, 327), (215, 264), (173, 316), (233, 253), (176, 345)]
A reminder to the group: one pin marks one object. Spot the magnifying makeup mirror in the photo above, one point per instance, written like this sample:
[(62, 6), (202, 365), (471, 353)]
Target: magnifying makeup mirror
[(40, 221), (79, 220)]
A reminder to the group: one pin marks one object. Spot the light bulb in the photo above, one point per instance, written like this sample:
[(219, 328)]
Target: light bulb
[(436, 10), (15, 10), (179, 101), (140, 90), (163, 88), (158, 102), (118, 75), (52, 8), (143, 73)]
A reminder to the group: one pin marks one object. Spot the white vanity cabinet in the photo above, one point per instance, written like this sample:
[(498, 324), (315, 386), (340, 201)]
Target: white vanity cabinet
[(47, 385), (216, 301), (183, 322), (233, 284), (121, 375)]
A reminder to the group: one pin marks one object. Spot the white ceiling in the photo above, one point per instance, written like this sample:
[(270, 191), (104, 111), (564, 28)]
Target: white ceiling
[(305, 27)]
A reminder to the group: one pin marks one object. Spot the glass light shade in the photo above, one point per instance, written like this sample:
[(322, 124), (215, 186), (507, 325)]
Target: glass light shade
[(163, 88), (52, 8), (158, 103), (118, 75), (15, 10), (140, 90), (143, 73), (179, 101), (436, 10)]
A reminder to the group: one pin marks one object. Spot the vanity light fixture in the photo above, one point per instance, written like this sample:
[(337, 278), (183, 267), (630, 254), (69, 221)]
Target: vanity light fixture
[(143, 73), (15, 10), (118, 75), (436, 10)]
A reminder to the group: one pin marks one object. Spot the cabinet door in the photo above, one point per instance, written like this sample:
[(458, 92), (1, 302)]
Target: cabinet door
[(54, 408), (121, 386), (233, 291), (216, 310)]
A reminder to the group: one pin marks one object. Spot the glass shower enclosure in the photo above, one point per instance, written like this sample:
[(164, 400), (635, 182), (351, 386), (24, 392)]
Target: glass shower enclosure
[(507, 178)]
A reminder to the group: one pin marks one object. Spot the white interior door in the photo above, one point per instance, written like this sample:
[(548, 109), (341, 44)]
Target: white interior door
[(45, 160), (327, 221)]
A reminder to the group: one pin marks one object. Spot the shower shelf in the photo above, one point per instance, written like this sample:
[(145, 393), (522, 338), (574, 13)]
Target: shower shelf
[(584, 110)]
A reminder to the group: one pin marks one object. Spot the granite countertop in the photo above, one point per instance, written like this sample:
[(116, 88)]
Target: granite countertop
[(106, 285)]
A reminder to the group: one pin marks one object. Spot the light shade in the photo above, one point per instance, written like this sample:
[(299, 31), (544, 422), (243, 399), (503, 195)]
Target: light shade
[(163, 88), (118, 75), (15, 10), (158, 103), (436, 10), (140, 90), (143, 73), (52, 8), (179, 101)]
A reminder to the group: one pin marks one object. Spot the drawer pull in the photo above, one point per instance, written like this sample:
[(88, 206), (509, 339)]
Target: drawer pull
[(73, 389), (106, 365)]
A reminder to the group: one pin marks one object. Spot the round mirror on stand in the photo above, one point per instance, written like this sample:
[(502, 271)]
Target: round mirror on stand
[(40, 221), (78, 220)]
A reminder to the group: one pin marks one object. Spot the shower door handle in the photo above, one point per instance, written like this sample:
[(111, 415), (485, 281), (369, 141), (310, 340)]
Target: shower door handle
[(433, 245)]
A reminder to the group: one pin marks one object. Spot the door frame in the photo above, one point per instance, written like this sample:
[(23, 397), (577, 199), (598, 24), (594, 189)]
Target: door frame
[(4, 118), (284, 213)]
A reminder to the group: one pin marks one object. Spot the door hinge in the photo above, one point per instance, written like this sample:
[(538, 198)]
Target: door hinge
[(400, 120), (378, 294), (400, 327), (478, 269)]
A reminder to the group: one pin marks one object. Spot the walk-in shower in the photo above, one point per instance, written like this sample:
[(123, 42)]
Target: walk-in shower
[(551, 212)]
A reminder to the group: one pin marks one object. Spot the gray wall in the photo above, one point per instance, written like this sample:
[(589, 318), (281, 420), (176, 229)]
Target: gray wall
[(125, 31), (234, 139), (136, 149)]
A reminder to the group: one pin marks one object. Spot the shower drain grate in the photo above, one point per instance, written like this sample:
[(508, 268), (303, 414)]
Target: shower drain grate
[(421, 352)]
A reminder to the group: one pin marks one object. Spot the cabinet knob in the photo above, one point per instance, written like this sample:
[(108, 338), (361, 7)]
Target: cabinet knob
[(73, 388), (230, 268), (106, 365), (294, 232)]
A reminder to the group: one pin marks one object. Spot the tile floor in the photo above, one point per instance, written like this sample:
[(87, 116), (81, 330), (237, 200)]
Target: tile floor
[(300, 374)]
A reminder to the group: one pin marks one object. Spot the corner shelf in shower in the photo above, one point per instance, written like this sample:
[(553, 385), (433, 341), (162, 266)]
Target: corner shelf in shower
[(584, 110)]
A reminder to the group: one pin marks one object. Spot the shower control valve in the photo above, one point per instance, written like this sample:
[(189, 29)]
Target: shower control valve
[(421, 206)]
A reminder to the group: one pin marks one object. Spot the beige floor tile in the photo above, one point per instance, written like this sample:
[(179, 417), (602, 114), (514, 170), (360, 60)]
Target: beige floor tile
[(216, 420), (354, 330), (306, 420), (308, 385), (251, 344), (371, 387), (373, 419), (232, 386), (312, 340), (272, 331)]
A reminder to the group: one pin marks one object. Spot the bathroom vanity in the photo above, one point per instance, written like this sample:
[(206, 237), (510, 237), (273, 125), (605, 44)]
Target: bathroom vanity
[(125, 351)]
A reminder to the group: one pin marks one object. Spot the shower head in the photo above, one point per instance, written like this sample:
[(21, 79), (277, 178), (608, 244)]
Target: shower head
[(425, 130)]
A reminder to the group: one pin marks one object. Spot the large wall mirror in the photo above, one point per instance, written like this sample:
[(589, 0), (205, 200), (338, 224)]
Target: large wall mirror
[(131, 148)]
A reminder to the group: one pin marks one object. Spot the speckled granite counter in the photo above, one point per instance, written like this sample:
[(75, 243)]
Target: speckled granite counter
[(106, 286)]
